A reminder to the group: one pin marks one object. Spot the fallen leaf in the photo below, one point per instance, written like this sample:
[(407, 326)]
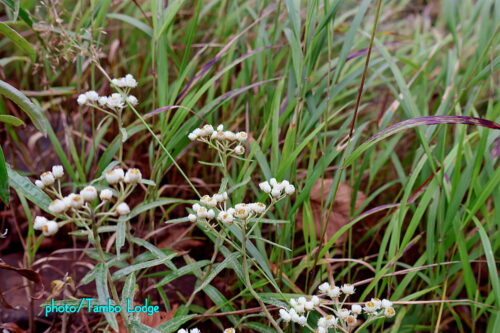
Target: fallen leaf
[(153, 321), (340, 213)]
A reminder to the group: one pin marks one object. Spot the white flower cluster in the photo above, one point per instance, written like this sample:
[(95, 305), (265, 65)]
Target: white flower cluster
[(196, 330), (114, 101), (49, 178), (277, 190), (341, 317), (48, 228), (231, 142), (206, 209), (299, 307), (127, 81), (78, 204)]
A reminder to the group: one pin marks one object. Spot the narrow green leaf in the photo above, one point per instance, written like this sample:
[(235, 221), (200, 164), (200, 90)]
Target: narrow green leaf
[(132, 21), (33, 111), (28, 189), (130, 269), (4, 179), (101, 283), (11, 120), (18, 40)]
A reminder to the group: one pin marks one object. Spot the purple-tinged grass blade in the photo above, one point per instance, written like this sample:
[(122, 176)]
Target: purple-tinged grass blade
[(414, 122)]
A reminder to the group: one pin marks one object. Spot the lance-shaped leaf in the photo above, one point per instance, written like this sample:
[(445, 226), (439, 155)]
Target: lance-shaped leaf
[(32, 110)]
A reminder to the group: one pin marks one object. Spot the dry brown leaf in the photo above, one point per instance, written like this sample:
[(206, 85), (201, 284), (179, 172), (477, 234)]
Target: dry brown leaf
[(339, 215), (153, 321)]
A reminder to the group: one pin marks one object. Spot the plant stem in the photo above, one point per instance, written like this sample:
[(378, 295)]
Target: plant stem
[(114, 293), (249, 282)]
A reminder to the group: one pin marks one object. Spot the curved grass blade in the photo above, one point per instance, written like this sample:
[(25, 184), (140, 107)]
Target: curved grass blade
[(33, 111), (18, 40), (4, 179), (11, 120), (414, 122)]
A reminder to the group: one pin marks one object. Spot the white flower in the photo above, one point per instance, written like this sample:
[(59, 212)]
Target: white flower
[(389, 312), (348, 289), (58, 171), (133, 176), (241, 136), (309, 306), (386, 303), (40, 221), (343, 313), (39, 184), (210, 214), (231, 211), (119, 82), (211, 202), (285, 315), (302, 321), (75, 200), (220, 128), (370, 307), (242, 212), (230, 135), (202, 212), (192, 217), (106, 194), (50, 228), (324, 287), (331, 321), (225, 217), (207, 130), (265, 187), (293, 315), (192, 136), (356, 309), (276, 192), (322, 322), (196, 206), (289, 189), (258, 207), (123, 209), (114, 176), (130, 81), (47, 178), (351, 321), (219, 197), (103, 100), (239, 150), (57, 206), (315, 300), (182, 331), (115, 101), (273, 182), (229, 330), (299, 305), (194, 330), (92, 96), (334, 292), (377, 302), (132, 99), (89, 193), (321, 329), (82, 99), (67, 202)]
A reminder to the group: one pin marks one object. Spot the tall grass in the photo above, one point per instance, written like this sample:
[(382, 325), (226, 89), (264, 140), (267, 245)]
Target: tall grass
[(290, 73)]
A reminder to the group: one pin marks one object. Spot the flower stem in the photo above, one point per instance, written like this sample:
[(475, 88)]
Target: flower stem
[(249, 283), (114, 293)]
